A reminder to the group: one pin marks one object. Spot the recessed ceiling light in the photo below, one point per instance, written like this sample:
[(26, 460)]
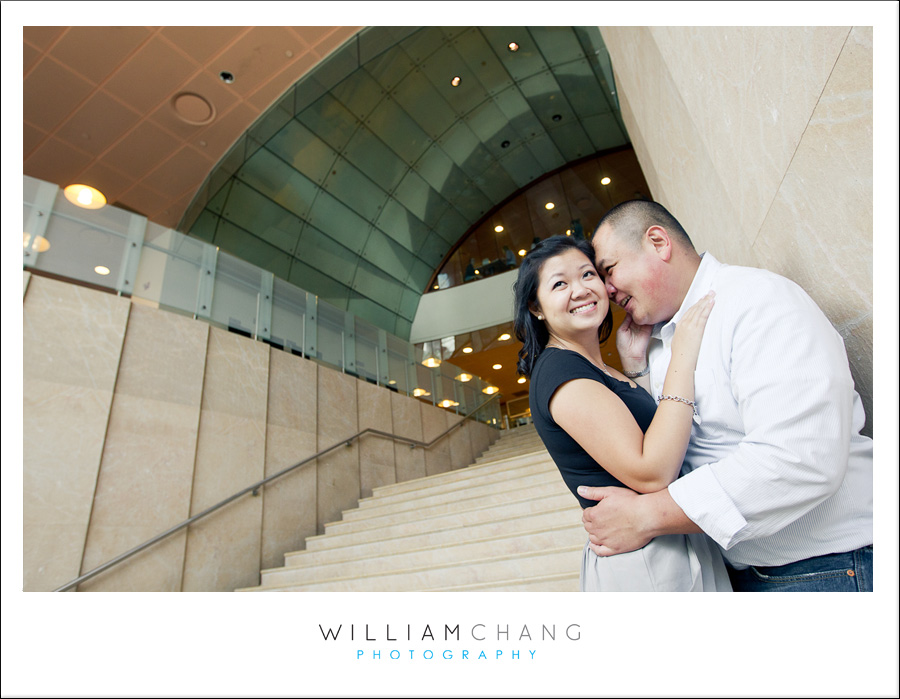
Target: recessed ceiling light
[(464, 377), (420, 392), (392, 383), (226, 77), (456, 81), (467, 350), (84, 196), (498, 229), (505, 144), (447, 403), (477, 271), (39, 244), (498, 366), (557, 117), (521, 379), (549, 205), (523, 252), (101, 270), (490, 390), (436, 286), (605, 180), (432, 362), (504, 337), (512, 46), (569, 231)]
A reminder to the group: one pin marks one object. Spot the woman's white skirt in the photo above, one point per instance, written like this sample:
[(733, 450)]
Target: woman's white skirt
[(671, 563)]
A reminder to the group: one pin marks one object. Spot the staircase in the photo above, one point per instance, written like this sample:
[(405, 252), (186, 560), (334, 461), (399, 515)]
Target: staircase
[(506, 523)]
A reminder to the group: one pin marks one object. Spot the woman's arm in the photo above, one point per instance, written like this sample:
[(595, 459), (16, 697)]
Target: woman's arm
[(603, 425)]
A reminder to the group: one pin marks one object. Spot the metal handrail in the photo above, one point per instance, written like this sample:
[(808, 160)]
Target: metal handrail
[(413, 443)]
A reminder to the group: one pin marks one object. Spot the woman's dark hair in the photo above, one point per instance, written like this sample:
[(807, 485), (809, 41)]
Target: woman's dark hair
[(530, 331)]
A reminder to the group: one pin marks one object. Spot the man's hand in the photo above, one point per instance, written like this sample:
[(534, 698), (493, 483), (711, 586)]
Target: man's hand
[(614, 524)]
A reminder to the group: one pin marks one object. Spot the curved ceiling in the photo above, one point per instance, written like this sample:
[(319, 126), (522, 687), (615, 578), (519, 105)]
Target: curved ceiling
[(362, 177)]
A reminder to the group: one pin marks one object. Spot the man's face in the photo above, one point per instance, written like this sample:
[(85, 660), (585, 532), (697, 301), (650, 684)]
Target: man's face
[(636, 278)]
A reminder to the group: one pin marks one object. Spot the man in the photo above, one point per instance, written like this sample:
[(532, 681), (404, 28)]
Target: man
[(777, 472)]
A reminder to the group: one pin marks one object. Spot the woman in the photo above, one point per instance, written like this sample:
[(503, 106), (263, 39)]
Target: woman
[(601, 428)]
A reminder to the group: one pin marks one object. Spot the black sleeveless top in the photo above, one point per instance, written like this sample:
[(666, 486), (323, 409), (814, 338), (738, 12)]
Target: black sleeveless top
[(551, 370)]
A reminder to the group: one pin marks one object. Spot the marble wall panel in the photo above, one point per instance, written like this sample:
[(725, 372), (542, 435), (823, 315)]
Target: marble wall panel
[(338, 481), (671, 151), (223, 551), (63, 434), (407, 418), (460, 445), (147, 468), (163, 357), (434, 422), (289, 503), (71, 334), (819, 229), (72, 341), (376, 454), (761, 108), (144, 488)]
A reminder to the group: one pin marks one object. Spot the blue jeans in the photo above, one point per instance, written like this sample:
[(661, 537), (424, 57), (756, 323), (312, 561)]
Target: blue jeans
[(836, 572)]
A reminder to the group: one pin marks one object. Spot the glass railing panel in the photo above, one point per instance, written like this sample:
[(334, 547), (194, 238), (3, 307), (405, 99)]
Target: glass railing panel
[(367, 354), (86, 251), (288, 317), (169, 271), (330, 322), (400, 376), (236, 295)]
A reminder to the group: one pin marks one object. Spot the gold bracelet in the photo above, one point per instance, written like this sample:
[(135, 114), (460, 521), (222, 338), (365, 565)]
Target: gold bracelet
[(679, 399)]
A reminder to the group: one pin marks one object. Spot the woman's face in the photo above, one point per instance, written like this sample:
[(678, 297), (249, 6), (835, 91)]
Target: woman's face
[(571, 296)]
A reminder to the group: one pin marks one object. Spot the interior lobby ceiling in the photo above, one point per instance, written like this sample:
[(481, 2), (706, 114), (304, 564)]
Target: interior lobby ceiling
[(362, 178), (347, 162)]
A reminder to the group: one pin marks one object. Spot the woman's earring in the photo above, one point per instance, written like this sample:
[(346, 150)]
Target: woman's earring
[(540, 317)]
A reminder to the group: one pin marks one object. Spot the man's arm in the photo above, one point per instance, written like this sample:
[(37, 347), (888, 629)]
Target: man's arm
[(625, 521), (780, 396)]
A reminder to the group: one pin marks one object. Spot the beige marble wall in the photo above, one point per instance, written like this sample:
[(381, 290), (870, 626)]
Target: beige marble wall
[(72, 341), (407, 417), (137, 418), (289, 502), (144, 485), (460, 444), (338, 479), (759, 139), (376, 454), (223, 551), (434, 423)]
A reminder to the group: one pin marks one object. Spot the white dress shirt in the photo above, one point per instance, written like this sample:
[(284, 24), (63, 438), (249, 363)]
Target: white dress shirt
[(776, 470)]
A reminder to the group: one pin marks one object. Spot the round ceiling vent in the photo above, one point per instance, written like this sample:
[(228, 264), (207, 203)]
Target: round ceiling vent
[(193, 109)]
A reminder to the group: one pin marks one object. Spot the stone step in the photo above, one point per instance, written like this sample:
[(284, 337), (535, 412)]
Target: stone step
[(460, 476), (512, 543), (337, 547), (524, 466), (487, 493), (562, 582), (557, 561), (514, 503)]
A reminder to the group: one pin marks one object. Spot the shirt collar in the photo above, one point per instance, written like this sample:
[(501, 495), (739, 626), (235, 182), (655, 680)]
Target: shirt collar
[(702, 283)]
